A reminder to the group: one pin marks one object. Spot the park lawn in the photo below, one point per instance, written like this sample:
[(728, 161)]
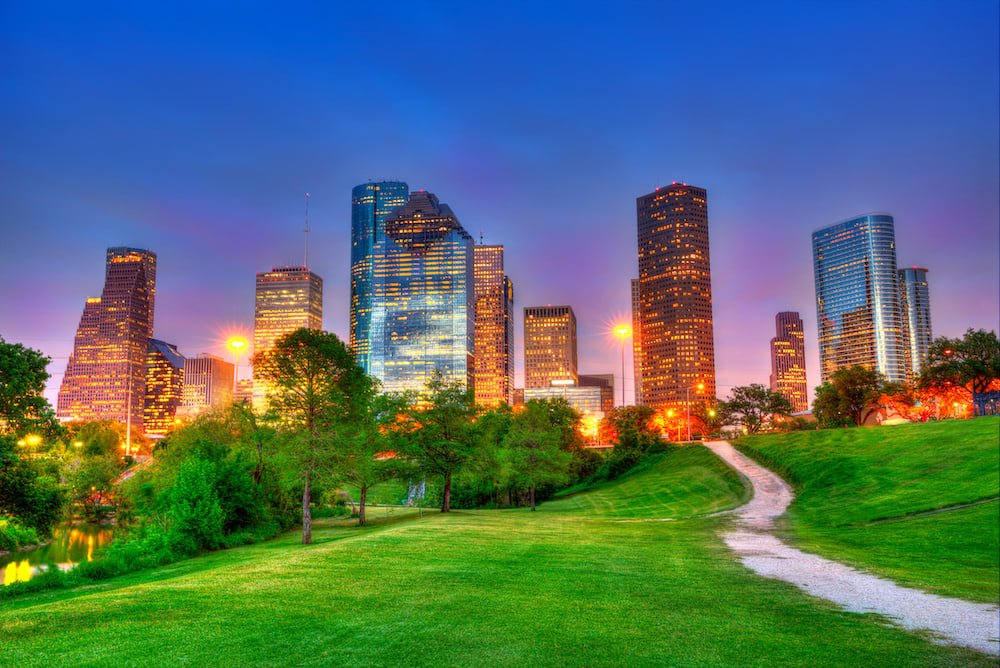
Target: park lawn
[(857, 491), (467, 588)]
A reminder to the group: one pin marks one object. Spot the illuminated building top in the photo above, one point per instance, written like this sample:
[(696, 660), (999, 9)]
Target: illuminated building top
[(549, 346), (788, 360)]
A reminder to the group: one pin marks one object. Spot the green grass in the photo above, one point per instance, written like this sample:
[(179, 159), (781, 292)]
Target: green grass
[(857, 491)]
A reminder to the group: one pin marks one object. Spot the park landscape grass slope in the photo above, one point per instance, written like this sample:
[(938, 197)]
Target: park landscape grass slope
[(563, 586)]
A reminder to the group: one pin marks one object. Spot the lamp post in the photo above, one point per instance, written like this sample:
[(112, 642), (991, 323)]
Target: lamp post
[(687, 402), (623, 331), (236, 344)]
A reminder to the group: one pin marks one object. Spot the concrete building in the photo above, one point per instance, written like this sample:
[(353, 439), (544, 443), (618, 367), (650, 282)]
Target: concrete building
[(549, 346), (208, 384), (164, 388), (494, 328), (788, 360)]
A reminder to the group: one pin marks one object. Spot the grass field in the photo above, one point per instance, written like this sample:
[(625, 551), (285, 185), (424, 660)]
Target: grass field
[(551, 588), (859, 491)]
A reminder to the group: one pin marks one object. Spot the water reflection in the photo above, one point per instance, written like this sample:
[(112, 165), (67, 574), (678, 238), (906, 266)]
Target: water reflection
[(71, 544)]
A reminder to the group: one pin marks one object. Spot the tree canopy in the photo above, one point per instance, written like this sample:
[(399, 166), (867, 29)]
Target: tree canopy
[(23, 408), (753, 406), (972, 362), (848, 396)]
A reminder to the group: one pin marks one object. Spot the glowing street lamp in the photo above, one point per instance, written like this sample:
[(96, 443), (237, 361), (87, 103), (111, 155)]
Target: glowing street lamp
[(623, 331), (236, 343)]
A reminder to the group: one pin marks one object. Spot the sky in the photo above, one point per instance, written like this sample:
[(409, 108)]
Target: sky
[(196, 129)]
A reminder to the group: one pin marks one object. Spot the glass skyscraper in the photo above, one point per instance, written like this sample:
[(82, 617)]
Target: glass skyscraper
[(370, 204), (422, 304), (915, 302), (857, 298)]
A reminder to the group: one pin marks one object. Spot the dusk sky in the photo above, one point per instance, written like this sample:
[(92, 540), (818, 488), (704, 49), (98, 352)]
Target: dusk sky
[(195, 130)]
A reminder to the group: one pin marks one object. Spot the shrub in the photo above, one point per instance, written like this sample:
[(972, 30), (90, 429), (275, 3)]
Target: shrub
[(14, 535), (194, 509)]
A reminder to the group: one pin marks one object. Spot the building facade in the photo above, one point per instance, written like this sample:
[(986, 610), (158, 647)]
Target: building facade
[(788, 360), (605, 381), (371, 203), (164, 388), (857, 297), (494, 328), (422, 298), (586, 400), (636, 344), (549, 346), (106, 374), (675, 297), (208, 384), (915, 302)]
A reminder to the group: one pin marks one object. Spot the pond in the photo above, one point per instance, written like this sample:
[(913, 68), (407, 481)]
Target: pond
[(71, 544)]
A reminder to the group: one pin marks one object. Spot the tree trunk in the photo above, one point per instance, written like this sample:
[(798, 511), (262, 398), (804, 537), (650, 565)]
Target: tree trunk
[(361, 513), (532, 496), (446, 503), (307, 538)]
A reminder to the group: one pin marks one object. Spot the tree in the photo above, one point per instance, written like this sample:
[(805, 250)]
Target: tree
[(753, 406), (848, 396), (23, 409), (638, 419), (972, 362), (535, 441), (315, 387), (26, 492), (442, 435)]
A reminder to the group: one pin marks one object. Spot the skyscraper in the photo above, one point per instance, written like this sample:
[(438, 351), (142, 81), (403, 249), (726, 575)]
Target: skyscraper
[(857, 297), (208, 383), (636, 344), (915, 303), (549, 346), (494, 328), (106, 374), (675, 297), (422, 298), (164, 387), (788, 360), (370, 204)]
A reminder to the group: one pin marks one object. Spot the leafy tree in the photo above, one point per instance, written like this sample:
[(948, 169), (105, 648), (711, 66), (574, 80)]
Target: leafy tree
[(706, 416), (316, 387), (848, 396), (195, 509), (443, 439), (972, 362), (26, 492), (753, 406), (638, 419), (23, 409), (536, 439)]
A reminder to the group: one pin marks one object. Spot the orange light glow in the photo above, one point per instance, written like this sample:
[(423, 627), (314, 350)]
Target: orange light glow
[(622, 331), (237, 343)]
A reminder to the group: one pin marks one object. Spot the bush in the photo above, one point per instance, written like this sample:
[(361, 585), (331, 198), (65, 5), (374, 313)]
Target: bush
[(194, 509), (14, 535)]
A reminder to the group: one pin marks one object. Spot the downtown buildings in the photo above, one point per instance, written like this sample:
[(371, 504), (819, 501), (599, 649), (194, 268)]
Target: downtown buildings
[(788, 360), (494, 328)]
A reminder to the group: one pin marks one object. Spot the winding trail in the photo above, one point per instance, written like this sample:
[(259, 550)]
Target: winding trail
[(952, 621)]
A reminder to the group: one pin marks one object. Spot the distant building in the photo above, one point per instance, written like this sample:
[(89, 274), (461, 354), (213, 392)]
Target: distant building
[(244, 391), (106, 374), (518, 396), (587, 401), (605, 381), (636, 344), (164, 388), (788, 360), (549, 346), (371, 203), (857, 297), (423, 299), (494, 328), (915, 303), (675, 297), (208, 384)]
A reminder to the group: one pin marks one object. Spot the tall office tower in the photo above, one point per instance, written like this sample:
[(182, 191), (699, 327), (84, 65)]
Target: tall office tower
[(494, 333), (857, 297), (106, 374), (370, 204), (287, 298), (423, 298), (208, 383), (636, 344), (788, 360), (675, 297), (164, 387), (915, 305), (549, 346)]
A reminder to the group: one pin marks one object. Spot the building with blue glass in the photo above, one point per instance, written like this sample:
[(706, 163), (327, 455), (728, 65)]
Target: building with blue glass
[(857, 297), (915, 302), (370, 204), (420, 313)]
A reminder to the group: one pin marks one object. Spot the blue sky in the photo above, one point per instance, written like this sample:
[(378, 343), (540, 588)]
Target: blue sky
[(195, 130)]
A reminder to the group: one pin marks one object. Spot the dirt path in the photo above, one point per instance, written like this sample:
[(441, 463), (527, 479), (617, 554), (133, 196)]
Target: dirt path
[(953, 621)]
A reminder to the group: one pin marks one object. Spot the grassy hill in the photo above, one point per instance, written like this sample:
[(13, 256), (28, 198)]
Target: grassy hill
[(558, 587), (868, 496)]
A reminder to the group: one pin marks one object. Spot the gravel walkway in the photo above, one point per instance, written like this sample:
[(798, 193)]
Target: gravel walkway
[(952, 621)]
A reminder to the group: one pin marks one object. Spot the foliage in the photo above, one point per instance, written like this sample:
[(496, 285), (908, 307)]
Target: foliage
[(536, 440), (848, 397), (23, 408), (754, 407), (972, 361), (14, 535), (639, 419), (27, 493), (196, 514), (706, 417)]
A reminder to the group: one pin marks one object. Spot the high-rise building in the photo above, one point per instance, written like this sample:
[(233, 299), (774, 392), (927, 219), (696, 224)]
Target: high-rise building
[(494, 329), (208, 384), (106, 374), (675, 297), (370, 204), (422, 298), (788, 360), (164, 387), (636, 344), (915, 303), (857, 297), (549, 346), (287, 299)]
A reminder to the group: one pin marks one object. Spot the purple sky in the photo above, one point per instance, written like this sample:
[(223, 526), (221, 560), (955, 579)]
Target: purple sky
[(196, 131)]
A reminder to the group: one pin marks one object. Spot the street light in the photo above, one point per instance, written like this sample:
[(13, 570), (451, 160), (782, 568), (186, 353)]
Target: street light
[(623, 331), (687, 400), (236, 343)]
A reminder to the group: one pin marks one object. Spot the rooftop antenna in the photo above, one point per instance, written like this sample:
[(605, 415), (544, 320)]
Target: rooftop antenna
[(307, 231), (480, 237)]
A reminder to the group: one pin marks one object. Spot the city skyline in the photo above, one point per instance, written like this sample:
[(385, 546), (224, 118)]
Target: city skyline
[(202, 143)]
